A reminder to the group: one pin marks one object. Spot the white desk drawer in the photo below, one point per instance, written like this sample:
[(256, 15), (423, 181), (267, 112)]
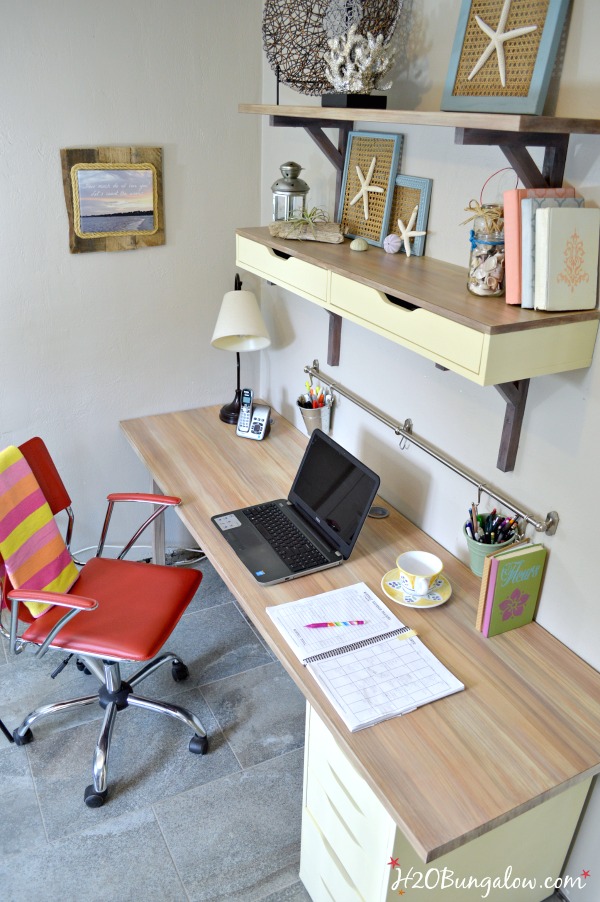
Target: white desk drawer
[(302, 278), (442, 340), (321, 872)]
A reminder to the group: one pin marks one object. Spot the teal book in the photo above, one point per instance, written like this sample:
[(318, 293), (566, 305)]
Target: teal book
[(514, 586)]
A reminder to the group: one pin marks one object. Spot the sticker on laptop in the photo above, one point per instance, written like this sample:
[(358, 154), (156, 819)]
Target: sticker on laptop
[(228, 521)]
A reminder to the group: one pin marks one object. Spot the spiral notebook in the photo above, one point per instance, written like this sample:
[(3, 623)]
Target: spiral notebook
[(370, 666)]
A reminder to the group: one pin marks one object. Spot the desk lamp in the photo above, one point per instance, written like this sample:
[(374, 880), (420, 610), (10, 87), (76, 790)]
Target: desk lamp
[(240, 327)]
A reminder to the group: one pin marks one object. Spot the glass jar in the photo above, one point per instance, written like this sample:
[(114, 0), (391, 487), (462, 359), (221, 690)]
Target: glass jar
[(486, 262)]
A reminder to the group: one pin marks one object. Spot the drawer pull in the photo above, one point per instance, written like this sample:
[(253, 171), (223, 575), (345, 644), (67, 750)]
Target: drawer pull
[(406, 305), (281, 254)]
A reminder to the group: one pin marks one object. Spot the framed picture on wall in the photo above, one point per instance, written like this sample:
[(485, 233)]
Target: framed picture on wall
[(410, 207), (503, 55), (371, 165), (114, 197)]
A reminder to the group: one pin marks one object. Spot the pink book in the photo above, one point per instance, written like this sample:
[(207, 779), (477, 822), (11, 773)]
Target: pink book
[(512, 234)]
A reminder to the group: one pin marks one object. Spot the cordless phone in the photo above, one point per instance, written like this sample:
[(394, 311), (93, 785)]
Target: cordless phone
[(253, 421), (245, 416)]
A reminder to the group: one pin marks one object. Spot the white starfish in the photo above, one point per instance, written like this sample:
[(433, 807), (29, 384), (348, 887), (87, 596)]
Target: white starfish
[(497, 40), (366, 187), (406, 232)]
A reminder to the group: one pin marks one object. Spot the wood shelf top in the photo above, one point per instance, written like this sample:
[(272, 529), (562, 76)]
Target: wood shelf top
[(504, 122), (428, 283)]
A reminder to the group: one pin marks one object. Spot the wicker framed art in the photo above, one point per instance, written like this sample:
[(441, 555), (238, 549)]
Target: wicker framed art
[(370, 169), (411, 206), (114, 197), (503, 55)]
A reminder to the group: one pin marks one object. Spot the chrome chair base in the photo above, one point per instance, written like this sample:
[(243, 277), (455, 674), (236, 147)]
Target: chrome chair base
[(114, 695)]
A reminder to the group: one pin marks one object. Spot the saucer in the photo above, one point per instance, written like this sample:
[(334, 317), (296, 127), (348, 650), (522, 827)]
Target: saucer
[(438, 594)]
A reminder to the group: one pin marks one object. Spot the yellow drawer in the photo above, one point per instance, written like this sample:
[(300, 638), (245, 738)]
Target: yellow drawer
[(321, 872), (305, 279), (448, 343)]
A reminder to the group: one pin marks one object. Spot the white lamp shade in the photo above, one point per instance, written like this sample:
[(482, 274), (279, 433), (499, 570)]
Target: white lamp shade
[(240, 326)]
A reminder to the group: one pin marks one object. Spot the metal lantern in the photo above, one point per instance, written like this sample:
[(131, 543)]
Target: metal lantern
[(289, 193)]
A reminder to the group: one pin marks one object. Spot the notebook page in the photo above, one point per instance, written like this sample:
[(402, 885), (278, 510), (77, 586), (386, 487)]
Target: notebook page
[(389, 677), (355, 602)]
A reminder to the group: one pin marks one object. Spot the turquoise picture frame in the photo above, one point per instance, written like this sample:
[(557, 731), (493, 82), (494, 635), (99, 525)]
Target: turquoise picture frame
[(423, 186), (393, 145), (531, 103)]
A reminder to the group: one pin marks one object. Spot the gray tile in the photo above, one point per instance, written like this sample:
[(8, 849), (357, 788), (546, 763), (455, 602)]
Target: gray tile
[(212, 591), (261, 712), (294, 893), (239, 837), (123, 859), (149, 760), (21, 825), (26, 685), (214, 644)]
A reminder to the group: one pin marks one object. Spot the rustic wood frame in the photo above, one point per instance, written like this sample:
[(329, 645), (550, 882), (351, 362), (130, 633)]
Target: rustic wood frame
[(393, 144), (117, 158), (504, 102), (423, 187)]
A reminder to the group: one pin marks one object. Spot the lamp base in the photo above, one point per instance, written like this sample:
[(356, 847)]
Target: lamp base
[(230, 413)]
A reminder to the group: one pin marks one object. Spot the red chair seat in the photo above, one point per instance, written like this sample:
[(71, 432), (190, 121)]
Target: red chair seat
[(139, 605)]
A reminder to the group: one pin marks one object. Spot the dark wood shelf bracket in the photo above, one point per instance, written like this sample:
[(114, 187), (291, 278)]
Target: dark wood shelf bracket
[(514, 147), (515, 395)]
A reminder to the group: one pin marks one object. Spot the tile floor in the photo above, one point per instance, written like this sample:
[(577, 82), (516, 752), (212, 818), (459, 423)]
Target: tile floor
[(177, 827)]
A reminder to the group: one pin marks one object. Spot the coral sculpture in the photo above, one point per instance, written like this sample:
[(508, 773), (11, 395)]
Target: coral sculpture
[(357, 65)]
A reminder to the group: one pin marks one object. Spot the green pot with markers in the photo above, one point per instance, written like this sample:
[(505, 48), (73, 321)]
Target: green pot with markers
[(478, 551)]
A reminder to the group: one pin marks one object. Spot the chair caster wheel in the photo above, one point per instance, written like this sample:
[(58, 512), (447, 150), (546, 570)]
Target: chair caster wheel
[(198, 745), (179, 672), (22, 740), (94, 799)]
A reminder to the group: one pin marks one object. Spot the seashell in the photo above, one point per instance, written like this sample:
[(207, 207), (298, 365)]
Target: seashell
[(359, 244), (392, 243)]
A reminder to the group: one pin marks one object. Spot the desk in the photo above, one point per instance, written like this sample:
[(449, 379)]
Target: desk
[(492, 777)]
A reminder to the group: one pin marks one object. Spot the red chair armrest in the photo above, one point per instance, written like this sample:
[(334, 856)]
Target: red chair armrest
[(169, 500), (59, 598)]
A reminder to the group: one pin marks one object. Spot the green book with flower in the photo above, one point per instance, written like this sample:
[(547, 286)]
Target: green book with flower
[(514, 585)]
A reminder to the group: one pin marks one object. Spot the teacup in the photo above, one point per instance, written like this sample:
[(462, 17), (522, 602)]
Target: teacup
[(418, 571)]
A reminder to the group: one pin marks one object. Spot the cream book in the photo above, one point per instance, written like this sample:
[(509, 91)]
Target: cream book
[(566, 258), (370, 666)]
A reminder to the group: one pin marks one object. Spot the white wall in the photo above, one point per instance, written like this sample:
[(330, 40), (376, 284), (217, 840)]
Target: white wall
[(90, 339), (557, 459)]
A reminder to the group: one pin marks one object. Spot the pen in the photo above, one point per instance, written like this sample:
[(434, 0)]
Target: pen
[(335, 623)]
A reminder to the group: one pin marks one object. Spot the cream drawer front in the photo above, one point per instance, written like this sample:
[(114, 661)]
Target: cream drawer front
[(351, 819), (351, 795), (321, 872), (442, 340), (303, 278)]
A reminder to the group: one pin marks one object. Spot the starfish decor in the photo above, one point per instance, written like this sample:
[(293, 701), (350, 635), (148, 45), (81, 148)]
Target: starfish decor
[(406, 232), (365, 187), (497, 40)]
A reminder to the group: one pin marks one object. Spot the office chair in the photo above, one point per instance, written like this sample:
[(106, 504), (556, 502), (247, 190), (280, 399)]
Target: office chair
[(116, 611)]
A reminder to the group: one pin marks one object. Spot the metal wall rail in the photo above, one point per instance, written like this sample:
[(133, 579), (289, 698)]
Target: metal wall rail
[(549, 525)]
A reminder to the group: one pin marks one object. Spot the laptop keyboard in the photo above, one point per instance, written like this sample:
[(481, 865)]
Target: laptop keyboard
[(287, 540)]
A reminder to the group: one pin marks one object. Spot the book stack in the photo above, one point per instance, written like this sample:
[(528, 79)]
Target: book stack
[(510, 588), (551, 246)]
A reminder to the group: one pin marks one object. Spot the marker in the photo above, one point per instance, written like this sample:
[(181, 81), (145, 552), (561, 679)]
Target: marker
[(335, 623)]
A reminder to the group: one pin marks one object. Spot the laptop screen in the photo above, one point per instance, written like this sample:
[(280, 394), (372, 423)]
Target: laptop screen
[(334, 490)]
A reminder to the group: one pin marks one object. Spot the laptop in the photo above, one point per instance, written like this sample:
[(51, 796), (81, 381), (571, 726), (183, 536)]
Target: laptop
[(318, 524)]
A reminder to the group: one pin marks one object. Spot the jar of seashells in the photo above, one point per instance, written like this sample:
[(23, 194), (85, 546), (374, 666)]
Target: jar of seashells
[(486, 262)]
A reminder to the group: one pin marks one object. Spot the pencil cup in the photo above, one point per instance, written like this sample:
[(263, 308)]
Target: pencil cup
[(317, 417), (478, 551)]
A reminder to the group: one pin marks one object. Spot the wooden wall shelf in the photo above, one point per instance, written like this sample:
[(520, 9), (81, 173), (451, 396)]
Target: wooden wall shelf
[(423, 304)]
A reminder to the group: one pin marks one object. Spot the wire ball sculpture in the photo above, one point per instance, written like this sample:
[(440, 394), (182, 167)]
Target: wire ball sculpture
[(296, 32)]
